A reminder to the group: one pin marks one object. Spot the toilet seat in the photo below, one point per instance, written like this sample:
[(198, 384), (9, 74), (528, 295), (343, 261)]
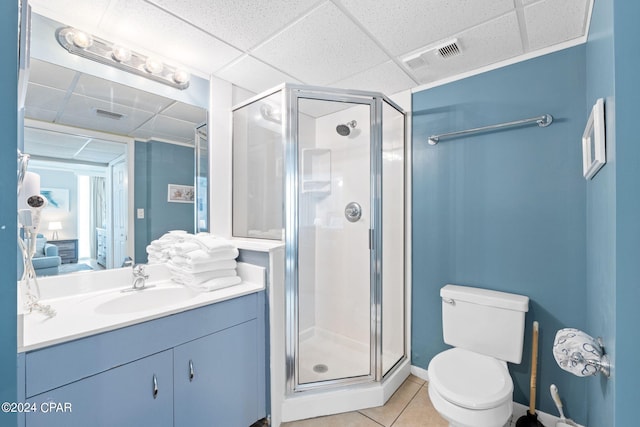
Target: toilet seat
[(469, 379)]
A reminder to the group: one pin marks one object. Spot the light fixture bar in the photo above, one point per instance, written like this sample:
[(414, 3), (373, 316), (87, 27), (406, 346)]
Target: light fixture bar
[(94, 48)]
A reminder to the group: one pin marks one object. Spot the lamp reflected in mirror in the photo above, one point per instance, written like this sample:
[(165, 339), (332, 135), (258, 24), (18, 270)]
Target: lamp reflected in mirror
[(55, 226)]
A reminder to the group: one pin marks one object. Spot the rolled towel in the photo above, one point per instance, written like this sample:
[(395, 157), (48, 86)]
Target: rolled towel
[(219, 283), (568, 344)]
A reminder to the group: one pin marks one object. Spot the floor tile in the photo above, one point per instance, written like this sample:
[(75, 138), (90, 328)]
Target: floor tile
[(388, 413), (420, 412), (415, 379), (349, 419)]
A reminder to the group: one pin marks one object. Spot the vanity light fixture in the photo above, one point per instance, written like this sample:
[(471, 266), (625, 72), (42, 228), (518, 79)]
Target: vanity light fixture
[(94, 48)]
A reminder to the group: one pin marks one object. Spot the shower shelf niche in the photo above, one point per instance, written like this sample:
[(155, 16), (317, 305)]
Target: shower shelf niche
[(316, 171)]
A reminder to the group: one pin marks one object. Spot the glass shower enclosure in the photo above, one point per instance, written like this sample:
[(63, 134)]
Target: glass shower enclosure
[(324, 171)]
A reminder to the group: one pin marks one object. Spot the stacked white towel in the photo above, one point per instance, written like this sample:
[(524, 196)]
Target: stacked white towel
[(200, 261), (158, 251)]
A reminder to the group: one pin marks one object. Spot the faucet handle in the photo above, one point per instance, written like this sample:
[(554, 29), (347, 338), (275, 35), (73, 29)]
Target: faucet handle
[(138, 271)]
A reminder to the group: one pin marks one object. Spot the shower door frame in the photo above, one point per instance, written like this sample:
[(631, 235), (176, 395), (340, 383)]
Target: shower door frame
[(291, 94)]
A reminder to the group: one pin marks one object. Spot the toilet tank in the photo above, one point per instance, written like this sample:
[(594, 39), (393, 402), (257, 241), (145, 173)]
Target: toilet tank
[(484, 321)]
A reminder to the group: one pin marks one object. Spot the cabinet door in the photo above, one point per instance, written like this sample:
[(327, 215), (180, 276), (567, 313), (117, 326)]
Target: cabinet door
[(137, 394), (216, 379)]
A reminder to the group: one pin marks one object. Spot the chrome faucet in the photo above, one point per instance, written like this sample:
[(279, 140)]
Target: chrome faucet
[(139, 277)]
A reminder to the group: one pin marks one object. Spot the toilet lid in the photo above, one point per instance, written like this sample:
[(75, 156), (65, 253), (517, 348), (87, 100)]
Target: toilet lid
[(470, 380)]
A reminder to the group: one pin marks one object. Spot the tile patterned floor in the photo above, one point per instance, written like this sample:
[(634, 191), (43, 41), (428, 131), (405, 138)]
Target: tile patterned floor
[(408, 407)]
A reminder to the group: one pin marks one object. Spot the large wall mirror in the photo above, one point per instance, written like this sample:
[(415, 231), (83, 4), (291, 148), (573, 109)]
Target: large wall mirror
[(118, 164)]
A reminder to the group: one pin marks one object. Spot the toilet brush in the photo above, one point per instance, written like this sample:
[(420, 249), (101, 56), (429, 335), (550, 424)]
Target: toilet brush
[(562, 422), (530, 419)]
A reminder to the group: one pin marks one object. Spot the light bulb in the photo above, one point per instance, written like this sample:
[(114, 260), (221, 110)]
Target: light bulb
[(121, 54), (153, 66), (79, 39), (180, 76)]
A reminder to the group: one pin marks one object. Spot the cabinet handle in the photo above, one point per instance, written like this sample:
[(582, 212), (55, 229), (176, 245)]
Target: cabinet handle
[(155, 386), (191, 373)]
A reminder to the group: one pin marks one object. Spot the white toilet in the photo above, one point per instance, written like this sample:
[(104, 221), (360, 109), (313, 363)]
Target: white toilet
[(469, 385)]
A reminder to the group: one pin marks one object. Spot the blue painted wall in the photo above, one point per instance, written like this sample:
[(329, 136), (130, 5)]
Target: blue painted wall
[(504, 210), (601, 213), (8, 222), (627, 146), (157, 165)]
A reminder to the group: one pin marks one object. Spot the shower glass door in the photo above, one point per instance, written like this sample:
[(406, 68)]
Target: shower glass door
[(335, 333)]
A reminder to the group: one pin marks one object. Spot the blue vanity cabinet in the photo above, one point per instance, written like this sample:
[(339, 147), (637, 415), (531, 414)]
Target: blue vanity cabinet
[(137, 394), (209, 365), (216, 379)]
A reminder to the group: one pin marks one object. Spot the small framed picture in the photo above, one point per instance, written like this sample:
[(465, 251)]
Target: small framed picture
[(180, 193), (593, 142)]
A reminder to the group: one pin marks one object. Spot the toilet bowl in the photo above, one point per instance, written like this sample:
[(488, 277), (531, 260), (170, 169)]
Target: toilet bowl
[(469, 384), (470, 389)]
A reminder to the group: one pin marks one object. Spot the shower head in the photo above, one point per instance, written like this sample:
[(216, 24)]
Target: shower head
[(345, 129)]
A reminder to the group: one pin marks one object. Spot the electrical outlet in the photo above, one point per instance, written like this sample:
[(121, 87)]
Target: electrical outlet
[(140, 213)]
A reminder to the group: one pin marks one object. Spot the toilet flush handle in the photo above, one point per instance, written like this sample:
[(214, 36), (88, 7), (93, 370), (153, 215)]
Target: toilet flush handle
[(449, 301)]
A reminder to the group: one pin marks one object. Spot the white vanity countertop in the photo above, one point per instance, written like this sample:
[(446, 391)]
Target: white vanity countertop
[(89, 303)]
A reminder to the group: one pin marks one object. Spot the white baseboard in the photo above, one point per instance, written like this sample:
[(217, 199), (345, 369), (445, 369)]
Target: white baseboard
[(420, 373), (518, 409)]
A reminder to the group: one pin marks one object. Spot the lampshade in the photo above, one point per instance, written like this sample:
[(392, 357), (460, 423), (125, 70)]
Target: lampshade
[(55, 226)]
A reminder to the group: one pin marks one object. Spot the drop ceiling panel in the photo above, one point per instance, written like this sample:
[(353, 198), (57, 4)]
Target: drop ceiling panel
[(553, 21), (39, 142), (482, 45), (186, 112), (242, 23), (44, 97), (81, 112), (323, 47), (41, 114), (402, 26), (82, 14), (254, 75), (100, 151), (47, 74), (171, 38), (115, 93), (387, 78), (169, 127)]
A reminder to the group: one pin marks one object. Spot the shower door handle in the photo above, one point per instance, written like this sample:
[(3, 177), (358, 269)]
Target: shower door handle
[(353, 212)]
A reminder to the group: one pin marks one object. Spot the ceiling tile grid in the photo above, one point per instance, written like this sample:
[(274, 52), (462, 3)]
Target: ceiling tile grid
[(322, 47), (175, 41), (402, 26), (253, 74), (241, 23), (257, 44), (548, 21)]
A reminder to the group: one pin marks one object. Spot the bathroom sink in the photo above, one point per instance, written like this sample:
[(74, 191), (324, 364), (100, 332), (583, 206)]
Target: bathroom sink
[(146, 299)]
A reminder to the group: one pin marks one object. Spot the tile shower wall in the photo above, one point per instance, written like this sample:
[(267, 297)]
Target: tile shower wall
[(504, 210)]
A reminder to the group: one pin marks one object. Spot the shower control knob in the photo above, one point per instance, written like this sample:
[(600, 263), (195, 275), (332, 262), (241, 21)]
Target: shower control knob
[(353, 212)]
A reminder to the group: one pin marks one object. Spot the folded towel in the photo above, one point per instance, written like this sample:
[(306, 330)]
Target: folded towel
[(198, 278), (186, 268), (200, 268), (186, 247), (199, 256), (211, 243), (219, 283)]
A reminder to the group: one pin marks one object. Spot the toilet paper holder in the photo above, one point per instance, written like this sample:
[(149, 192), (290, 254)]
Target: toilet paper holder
[(580, 354), (602, 365)]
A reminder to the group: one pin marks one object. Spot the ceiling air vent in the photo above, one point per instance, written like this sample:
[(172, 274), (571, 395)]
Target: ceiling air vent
[(422, 58), (108, 114), (449, 49)]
